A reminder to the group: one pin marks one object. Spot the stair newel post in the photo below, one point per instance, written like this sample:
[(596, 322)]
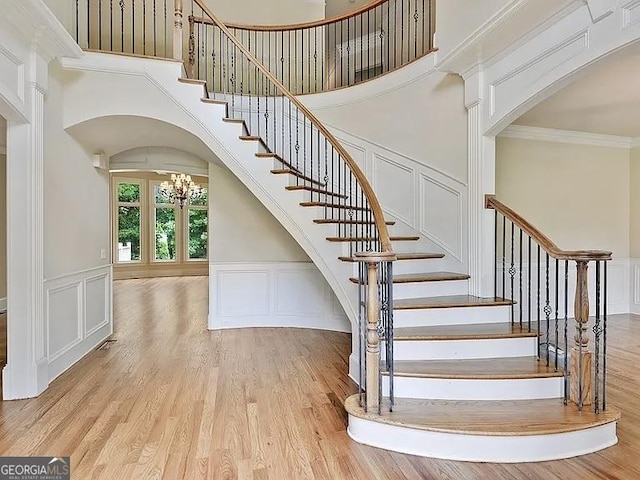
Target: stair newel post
[(373, 319), (580, 385), (177, 30)]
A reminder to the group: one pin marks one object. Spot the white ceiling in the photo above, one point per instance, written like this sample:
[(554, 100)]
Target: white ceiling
[(113, 135), (604, 100)]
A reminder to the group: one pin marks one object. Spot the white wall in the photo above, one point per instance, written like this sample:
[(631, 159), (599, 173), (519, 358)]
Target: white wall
[(424, 119), (77, 195), (634, 208), (242, 229), (578, 195), (3, 231), (458, 19), (334, 8), (77, 284), (267, 12)]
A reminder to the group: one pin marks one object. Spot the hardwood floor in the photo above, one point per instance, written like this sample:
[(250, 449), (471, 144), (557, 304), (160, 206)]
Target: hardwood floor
[(169, 399)]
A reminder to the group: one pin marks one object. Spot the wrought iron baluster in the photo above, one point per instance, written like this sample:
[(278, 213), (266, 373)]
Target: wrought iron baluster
[(504, 257), (604, 340), (495, 254), (556, 319), (538, 305), (529, 285), (566, 332), (547, 306), (512, 272), (520, 277), (596, 344)]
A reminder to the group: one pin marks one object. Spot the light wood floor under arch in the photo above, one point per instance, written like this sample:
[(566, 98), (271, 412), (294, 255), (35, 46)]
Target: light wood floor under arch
[(171, 400)]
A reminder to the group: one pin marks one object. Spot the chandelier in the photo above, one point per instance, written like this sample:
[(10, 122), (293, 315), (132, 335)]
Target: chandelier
[(181, 189)]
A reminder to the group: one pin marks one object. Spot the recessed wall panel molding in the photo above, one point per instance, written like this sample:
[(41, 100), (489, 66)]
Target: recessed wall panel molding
[(65, 317), (634, 279), (630, 13), (395, 187), (503, 89), (78, 313), (272, 294), (358, 153), (97, 308), (11, 74), (442, 215)]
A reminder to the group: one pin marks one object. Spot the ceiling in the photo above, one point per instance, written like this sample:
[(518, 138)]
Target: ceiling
[(113, 135), (604, 100)]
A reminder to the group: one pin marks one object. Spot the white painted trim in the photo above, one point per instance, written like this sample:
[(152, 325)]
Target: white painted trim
[(267, 294), (634, 286), (481, 448), (568, 136), (87, 271), (3, 305)]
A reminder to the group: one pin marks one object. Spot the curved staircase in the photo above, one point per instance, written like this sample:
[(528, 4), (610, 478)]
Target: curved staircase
[(469, 381)]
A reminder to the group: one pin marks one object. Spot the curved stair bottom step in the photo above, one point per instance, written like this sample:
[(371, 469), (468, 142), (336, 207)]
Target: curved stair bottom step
[(502, 446)]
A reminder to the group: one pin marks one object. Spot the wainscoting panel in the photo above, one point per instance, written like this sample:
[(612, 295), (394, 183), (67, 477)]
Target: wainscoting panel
[(421, 199), (394, 184), (272, 295), (442, 215), (634, 285), (78, 315)]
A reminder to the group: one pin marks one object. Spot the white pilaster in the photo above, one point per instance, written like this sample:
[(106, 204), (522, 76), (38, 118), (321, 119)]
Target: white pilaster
[(481, 181), (26, 374)]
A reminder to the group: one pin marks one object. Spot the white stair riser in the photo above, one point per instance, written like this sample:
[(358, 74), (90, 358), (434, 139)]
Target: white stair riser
[(430, 289), (475, 389), (464, 349), (419, 266), (451, 316), (482, 448)]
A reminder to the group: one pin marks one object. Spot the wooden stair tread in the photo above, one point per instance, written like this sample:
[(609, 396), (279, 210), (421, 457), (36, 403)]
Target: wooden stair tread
[(404, 256), (332, 205), (498, 418), (462, 332), (425, 277), (320, 191), (449, 301), (369, 239), (348, 222), (296, 173), (506, 368), (214, 101), (194, 81)]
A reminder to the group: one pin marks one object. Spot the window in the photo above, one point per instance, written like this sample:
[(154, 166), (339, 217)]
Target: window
[(197, 219), (151, 234), (165, 228), (129, 221)]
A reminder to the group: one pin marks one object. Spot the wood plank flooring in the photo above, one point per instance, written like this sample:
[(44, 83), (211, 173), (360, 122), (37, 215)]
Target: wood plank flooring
[(171, 400)]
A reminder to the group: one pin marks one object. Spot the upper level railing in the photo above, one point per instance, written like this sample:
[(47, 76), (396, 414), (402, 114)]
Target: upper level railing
[(380, 37), (339, 52), (535, 273)]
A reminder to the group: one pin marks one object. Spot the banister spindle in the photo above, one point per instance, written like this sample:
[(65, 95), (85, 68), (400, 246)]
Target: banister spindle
[(177, 30), (580, 388)]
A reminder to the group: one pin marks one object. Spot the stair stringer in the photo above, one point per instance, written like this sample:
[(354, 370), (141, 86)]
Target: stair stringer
[(150, 88)]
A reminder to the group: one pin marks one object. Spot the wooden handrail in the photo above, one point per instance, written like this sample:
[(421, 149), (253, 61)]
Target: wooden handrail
[(301, 26), (378, 215), (547, 245)]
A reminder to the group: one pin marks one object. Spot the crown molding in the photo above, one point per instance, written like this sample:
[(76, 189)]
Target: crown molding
[(568, 136)]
